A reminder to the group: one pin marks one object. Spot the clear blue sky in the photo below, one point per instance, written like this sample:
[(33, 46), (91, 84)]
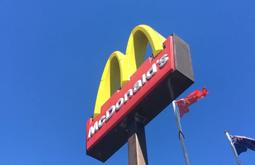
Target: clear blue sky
[(52, 54)]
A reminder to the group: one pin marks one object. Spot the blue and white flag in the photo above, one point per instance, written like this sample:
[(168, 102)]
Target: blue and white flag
[(242, 143)]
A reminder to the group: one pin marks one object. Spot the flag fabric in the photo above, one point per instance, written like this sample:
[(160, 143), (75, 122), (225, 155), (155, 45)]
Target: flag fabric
[(184, 103), (242, 143)]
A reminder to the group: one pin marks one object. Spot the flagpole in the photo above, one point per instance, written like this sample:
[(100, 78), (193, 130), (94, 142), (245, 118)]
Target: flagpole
[(180, 132), (233, 148)]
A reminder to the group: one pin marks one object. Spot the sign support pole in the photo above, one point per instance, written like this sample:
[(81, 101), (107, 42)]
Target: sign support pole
[(137, 151)]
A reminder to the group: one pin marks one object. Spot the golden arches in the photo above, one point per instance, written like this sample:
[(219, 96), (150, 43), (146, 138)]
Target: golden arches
[(120, 67)]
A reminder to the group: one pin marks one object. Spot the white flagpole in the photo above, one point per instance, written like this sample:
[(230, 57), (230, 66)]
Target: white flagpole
[(233, 148), (181, 136)]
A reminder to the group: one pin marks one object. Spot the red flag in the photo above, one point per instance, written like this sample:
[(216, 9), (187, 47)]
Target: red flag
[(184, 103)]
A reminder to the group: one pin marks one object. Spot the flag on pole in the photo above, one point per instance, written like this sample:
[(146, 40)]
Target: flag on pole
[(180, 107), (242, 143), (184, 103)]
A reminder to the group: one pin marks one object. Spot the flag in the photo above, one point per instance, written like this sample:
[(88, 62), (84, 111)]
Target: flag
[(242, 143), (184, 103)]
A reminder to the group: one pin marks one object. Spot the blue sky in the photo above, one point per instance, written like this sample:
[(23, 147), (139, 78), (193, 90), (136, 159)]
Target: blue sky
[(52, 54)]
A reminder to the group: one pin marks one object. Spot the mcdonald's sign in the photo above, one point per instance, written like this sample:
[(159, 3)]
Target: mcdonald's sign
[(131, 86)]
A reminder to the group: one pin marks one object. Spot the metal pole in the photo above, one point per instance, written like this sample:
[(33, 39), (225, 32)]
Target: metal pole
[(137, 152), (233, 148), (180, 132)]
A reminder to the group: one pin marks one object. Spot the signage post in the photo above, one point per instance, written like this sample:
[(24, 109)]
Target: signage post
[(137, 151)]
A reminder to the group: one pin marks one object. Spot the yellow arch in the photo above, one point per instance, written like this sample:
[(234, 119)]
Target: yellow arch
[(120, 67)]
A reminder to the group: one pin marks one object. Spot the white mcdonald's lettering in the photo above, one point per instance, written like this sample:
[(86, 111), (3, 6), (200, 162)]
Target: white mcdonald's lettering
[(139, 83)]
